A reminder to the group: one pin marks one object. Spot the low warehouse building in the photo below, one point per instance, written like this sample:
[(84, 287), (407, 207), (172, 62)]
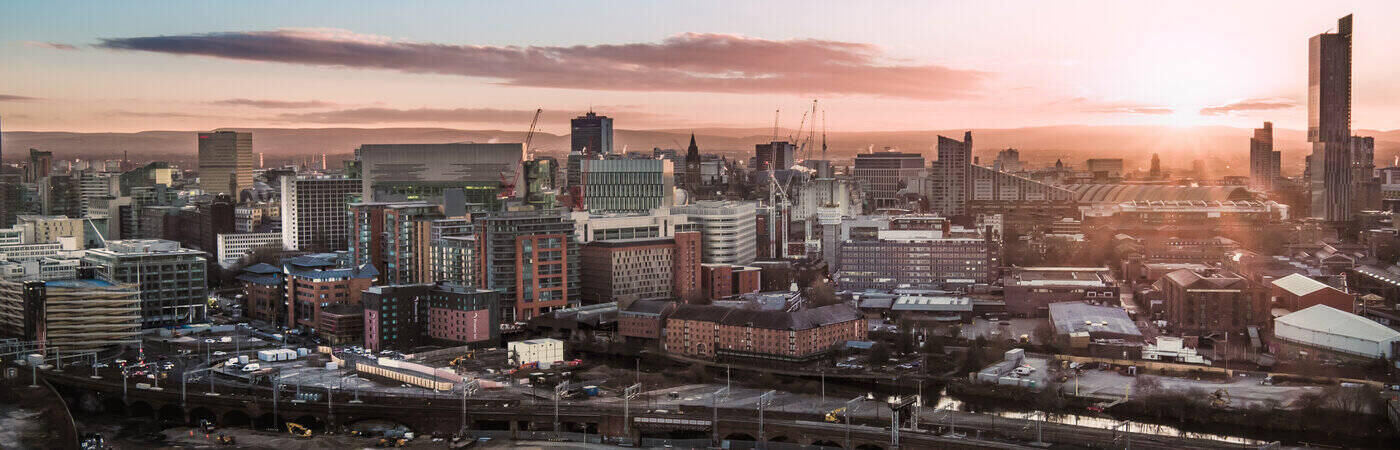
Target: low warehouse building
[(1332, 330)]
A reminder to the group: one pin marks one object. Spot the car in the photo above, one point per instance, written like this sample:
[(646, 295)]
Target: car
[(100, 365), (220, 353)]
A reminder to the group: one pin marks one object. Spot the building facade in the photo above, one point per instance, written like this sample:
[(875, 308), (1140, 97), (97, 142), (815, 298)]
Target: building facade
[(172, 280), (315, 212), (628, 185), (883, 174), (1329, 122), (532, 258), (225, 162), (728, 230), (717, 332)]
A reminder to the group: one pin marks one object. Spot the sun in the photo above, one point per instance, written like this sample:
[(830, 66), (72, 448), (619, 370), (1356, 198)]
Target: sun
[(1186, 116)]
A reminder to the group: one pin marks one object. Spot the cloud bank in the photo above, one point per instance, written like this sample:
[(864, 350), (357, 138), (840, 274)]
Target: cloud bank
[(1258, 104), (690, 62), (273, 104)]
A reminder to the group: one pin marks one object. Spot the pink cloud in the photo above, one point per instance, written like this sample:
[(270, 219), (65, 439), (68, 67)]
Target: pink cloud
[(690, 62)]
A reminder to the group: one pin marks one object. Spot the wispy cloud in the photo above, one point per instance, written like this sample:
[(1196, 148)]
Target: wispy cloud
[(691, 62), (16, 98), (1256, 104), (390, 115), (273, 104), (1086, 105), (158, 114), (49, 45)]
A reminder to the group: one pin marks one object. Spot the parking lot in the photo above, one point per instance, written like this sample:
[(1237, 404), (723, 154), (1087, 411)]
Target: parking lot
[(1000, 330)]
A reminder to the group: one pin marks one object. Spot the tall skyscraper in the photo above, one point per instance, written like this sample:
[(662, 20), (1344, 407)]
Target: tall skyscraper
[(40, 165), (591, 134), (954, 168), (225, 162), (1261, 156), (1329, 122)]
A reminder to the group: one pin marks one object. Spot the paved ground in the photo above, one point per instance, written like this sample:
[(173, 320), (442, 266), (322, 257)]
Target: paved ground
[(1107, 384), (993, 330)]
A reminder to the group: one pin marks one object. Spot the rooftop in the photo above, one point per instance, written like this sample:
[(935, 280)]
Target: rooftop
[(1331, 320), (1300, 285), (1074, 317)]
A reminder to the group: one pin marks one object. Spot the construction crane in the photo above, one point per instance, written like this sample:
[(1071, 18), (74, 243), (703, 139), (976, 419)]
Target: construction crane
[(530, 136), (508, 182), (805, 147)]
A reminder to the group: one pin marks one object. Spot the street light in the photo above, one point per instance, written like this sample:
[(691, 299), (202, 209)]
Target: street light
[(627, 395), (714, 412), (559, 390), (467, 389), (850, 409), (763, 400)]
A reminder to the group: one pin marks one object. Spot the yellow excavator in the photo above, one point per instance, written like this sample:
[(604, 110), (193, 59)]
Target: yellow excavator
[(296, 429), (459, 359), (1220, 398), (835, 415)]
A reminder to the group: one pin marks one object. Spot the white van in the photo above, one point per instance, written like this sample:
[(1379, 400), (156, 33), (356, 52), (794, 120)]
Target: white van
[(252, 367)]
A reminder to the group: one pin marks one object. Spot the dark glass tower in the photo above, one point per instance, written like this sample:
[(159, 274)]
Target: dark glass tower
[(1329, 122)]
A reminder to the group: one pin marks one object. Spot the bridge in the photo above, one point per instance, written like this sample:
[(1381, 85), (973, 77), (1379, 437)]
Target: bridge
[(526, 419)]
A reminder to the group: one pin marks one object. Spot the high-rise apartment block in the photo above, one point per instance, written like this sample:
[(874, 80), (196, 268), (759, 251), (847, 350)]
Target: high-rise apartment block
[(1329, 122), (225, 162), (532, 258), (1264, 163), (954, 171), (315, 212)]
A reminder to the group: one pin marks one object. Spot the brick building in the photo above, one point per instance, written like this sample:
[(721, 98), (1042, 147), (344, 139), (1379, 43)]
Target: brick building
[(717, 332), (1212, 301), (644, 320), (405, 316), (314, 282), (1297, 292), (627, 270), (720, 281)]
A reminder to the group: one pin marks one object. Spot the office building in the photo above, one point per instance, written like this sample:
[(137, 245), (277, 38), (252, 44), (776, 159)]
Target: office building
[(883, 174), (1263, 160), (60, 195), (93, 185), (1031, 290), (40, 165), (591, 134), (225, 162), (1329, 122), (171, 279), (628, 185), (628, 270), (48, 229), (532, 258), (722, 281), (954, 171), (728, 230), (232, 247), (776, 155), (73, 315), (1008, 161), (1105, 167), (919, 259), (658, 223), (426, 172), (316, 212)]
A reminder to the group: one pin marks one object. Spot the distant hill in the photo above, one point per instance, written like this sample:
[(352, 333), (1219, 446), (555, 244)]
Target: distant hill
[(1224, 148)]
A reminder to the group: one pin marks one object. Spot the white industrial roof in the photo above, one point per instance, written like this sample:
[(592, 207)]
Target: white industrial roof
[(1300, 285), (1331, 320)]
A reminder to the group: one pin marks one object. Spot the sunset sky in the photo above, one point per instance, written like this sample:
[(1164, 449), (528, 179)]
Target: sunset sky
[(131, 66)]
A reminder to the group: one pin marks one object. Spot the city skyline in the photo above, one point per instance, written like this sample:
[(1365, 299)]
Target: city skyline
[(913, 67)]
